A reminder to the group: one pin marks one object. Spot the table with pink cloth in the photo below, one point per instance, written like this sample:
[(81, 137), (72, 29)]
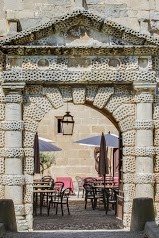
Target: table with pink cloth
[(68, 183)]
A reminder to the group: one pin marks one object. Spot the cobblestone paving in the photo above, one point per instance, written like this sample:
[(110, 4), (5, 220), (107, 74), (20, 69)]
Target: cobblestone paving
[(80, 224)]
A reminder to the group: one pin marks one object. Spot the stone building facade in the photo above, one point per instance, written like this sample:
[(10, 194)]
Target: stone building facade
[(103, 54)]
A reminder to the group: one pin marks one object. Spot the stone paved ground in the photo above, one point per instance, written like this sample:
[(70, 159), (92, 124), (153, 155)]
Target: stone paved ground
[(76, 224), (80, 218)]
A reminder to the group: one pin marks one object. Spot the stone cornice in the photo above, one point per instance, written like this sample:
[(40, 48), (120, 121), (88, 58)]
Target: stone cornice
[(83, 17), (105, 50)]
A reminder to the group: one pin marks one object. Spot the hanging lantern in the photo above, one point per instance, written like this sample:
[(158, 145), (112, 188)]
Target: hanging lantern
[(67, 124)]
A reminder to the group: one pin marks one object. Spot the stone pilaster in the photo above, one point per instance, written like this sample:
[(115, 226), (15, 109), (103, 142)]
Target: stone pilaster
[(144, 149), (13, 179)]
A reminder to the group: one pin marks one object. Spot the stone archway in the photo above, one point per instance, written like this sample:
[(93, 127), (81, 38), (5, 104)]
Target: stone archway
[(120, 79), (120, 105)]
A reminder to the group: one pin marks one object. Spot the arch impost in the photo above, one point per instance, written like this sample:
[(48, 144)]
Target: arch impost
[(144, 178), (12, 152), (13, 87), (145, 87), (12, 180), (145, 151), (12, 125), (144, 124)]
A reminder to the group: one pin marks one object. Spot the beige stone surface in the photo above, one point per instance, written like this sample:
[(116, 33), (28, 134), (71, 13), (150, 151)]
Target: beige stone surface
[(74, 159)]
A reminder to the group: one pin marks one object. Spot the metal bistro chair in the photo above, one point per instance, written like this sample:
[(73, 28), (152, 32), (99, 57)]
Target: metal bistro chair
[(90, 180), (61, 200), (91, 194), (110, 199), (80, 183)]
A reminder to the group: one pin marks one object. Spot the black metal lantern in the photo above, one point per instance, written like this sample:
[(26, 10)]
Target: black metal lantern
[(67, 124)]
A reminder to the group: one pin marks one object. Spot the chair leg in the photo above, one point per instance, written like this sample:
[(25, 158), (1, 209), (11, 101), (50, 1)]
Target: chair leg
[(62, 208), (56, 208), (68, 208), (85, 203), (48, 209)]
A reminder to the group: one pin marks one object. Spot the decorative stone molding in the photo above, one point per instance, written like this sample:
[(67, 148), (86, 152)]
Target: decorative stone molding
[(127, 207), (12, 180), (2, 165), (29, 152), (33, 112), (124, 111), (129, 164), (29, 165), (129, 192), (28, 179), (148, 87), (33, 90), (144, 124), (145, 151), (144, 178), (126, 220), (12, 152), (80, 51), (156, 137), (28, 193), (117, 100), (78, 77), (66, 92), (12, 125), (28, 139), (2, 138), (129, 151), (2, 111), (78, 95), (13, 98), (31, 125), (144, 98), (102, 96), (91, 92), (156, 164), (128, 178), (13, 87), (54, 96), (127, 123), (157, 177), (156, 124), (129, 138), (2, 190), (41, 102)]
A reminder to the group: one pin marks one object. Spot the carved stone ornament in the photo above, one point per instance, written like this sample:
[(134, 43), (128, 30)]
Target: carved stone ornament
[(144, 124), (12, 125), (144, 178)]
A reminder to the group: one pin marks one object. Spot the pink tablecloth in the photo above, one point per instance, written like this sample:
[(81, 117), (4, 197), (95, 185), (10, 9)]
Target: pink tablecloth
[(68, 183)]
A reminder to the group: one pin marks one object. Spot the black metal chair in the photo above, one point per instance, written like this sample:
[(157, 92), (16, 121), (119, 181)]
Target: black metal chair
[(110, 196), (60, 199), (92, 194)]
